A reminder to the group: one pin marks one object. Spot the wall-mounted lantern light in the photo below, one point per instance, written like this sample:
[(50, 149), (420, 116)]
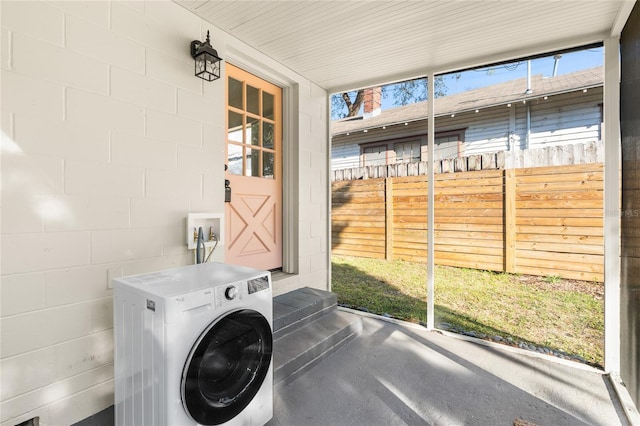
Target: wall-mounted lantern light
[(207, 59)]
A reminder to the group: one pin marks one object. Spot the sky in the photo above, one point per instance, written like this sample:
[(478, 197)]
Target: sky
[(468, 80), (568, 63)]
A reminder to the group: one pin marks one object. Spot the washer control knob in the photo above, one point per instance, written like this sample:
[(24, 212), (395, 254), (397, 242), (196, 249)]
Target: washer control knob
[(230, 292)]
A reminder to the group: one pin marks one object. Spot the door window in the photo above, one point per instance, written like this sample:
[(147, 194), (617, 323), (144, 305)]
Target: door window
[(250, 135)]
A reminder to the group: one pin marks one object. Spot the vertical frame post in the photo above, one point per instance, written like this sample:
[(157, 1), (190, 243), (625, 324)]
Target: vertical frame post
[(388, 229), (430, 203), (612, 204)]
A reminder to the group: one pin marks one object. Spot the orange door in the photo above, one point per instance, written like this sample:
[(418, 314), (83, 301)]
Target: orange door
[(254, 151)]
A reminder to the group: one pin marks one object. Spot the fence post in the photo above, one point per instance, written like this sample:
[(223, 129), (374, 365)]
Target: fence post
[(510, 220), (388, 210)]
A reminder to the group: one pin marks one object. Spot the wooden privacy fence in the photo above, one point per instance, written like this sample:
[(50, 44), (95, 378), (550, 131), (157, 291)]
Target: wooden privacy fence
[(541, 221)]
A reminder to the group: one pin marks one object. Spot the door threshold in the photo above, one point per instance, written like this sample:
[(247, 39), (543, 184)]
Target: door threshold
[(278, 275)]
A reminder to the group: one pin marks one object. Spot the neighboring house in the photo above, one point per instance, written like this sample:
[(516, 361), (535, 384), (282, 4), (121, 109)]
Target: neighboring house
[(560, 110)]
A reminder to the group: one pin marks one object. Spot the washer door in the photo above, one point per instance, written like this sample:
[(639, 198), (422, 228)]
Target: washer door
[(226, 367)]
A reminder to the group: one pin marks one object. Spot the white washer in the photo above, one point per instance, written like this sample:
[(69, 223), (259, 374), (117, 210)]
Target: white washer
[(193, 345)]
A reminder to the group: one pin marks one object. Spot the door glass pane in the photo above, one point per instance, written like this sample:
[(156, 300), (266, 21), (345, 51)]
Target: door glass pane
[(235, 127), (267, 105), (253, 131), (235, 93), (253, 100), (253, 163), (234, 159), (267, 165), (267, 135)]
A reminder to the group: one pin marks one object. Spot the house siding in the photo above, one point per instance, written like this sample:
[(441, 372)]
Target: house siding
[(488, 132), (104, 154), (573, 119), (345, 155)]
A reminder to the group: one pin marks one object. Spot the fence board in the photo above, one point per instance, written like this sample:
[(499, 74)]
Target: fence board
[(560, 221), (491, 179), (594, 177), (561, 213), (556, 170), (560, 264), (468, 226), (561, 186), (560, 204), (562, 239), (560, 230), (346, 211), (370, 242), (559, 196), (562, 260), (471, 235), (557, 247), (473, 246), (496, 196), (360, 222), (472, 220), (342, 235), (442, 212), (359, 230)]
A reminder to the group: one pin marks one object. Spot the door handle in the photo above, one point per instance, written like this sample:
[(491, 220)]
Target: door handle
[(227, 191)]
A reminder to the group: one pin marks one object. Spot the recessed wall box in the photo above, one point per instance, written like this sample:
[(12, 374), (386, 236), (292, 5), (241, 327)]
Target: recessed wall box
[(212, 226)]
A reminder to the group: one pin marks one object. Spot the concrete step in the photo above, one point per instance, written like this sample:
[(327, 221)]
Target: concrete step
[(300, 350), (307, 328), (298, 308)]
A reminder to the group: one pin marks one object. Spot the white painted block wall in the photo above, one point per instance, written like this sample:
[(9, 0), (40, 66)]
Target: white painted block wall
[(108, 142)]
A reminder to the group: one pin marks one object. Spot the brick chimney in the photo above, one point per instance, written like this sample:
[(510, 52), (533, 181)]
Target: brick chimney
[(372, 102)]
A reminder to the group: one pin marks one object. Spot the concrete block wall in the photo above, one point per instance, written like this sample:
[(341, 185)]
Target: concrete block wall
[(108, 142), (314, 195)]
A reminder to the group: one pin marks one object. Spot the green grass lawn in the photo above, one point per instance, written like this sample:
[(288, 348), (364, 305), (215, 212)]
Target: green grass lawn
[(562, 315)]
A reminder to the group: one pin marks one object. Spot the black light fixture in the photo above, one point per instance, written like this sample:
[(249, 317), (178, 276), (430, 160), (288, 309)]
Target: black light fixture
[(207, 59)]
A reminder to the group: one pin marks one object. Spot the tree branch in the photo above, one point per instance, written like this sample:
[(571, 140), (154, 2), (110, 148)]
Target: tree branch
[(355, 106)]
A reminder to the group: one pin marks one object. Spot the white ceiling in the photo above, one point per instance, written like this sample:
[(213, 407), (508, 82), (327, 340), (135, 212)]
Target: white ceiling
[(350, 44)]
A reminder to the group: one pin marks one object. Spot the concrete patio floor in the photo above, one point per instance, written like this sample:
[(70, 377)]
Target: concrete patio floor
[(397, 373)]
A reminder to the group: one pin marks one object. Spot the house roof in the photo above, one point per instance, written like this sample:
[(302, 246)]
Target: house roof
[(494, 95), (344, 45)]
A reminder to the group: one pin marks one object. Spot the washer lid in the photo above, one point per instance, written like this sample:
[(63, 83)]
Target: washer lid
[(227, 367)]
